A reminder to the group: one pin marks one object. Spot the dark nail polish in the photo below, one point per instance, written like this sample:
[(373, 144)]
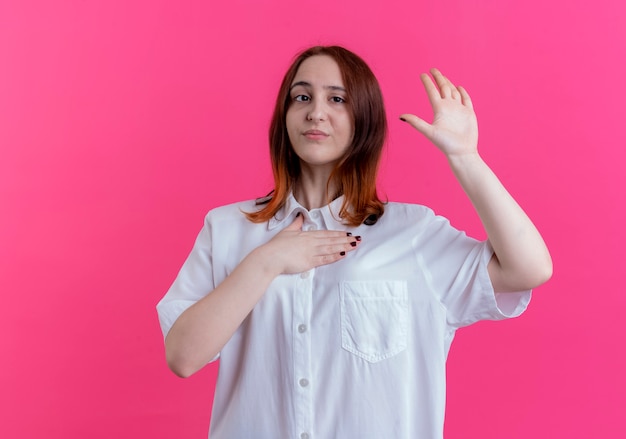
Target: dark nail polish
[(342, 253), (358, 238), (348, 234), (403, 119), (353, 243)]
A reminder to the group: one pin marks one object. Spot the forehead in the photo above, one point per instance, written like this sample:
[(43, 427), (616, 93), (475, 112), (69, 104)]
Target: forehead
[(319, 70)]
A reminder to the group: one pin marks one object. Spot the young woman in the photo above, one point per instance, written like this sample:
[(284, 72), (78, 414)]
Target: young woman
[(331, 312)]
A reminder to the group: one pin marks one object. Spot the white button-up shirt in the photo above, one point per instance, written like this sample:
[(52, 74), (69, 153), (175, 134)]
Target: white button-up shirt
[(355, 349)]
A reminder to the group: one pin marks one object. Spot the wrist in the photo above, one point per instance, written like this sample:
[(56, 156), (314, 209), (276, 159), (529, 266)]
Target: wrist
[(261, 258), (464, 160)]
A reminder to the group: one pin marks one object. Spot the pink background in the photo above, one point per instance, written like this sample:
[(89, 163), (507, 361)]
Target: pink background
[(122, 123)]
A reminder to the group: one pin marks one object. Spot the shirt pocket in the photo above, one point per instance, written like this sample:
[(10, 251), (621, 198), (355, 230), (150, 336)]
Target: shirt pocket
[(374, 318)]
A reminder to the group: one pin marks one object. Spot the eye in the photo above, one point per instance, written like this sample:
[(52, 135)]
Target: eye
[(301, 98), (338, 99)]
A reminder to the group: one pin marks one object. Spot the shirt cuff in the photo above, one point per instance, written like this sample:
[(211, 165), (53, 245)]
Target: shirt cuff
[(170, 311), (502, 305)]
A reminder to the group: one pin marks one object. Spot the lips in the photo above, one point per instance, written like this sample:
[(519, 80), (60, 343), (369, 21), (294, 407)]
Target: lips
[(315, 134)]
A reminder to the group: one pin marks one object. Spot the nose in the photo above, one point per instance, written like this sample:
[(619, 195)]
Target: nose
[(317, 111)]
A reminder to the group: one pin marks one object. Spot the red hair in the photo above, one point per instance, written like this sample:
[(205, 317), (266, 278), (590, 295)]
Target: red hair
[(355, 174)]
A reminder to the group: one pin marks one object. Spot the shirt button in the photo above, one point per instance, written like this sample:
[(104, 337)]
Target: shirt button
[(304, 436), (304, 275), (303, 382), (301, 328)]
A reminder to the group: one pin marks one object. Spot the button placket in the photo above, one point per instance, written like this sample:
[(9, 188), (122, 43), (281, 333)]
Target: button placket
[(303, 395), (302, 352)]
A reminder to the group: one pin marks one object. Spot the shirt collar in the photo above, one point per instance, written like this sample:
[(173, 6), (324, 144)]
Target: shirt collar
[(328, 213)]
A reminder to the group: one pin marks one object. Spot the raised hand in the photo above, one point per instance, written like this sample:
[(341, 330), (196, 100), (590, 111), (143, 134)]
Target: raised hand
[(295, 251), (454, 129)]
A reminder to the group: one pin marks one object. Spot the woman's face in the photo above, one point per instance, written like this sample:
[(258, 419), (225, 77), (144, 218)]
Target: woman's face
[(319, 122)]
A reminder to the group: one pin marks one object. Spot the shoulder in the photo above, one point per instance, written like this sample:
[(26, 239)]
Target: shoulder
[(413, 219), (428, 232), (233, 212), (399, 212)]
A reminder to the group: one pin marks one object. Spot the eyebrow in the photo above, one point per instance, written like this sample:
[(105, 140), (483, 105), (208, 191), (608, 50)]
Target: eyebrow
[(307, 84)]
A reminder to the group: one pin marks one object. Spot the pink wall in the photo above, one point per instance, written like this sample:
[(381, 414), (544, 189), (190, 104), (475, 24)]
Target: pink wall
[(122, 123)]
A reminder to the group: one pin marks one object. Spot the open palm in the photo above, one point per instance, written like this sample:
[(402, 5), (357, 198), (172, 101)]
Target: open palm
[(454, 129)]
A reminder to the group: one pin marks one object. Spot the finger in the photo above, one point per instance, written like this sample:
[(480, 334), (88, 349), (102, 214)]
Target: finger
[(444, 84), (465, 97), (432, 91), (333, 244), (334, 253), (334, 249), (328, 259), (332, 235), (338, 246), (418, 123), (296, 224)]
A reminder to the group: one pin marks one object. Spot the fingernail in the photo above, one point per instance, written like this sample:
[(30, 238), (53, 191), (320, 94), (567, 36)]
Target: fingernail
[(358, 238), (342, 253), (349, 234), (353, 244), (297, 214), (402, 119)]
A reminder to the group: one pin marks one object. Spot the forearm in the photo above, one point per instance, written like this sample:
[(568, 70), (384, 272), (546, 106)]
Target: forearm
[(203, 329), (522, 260)]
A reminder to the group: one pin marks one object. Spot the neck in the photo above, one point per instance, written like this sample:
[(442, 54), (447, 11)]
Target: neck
[(311, 189)]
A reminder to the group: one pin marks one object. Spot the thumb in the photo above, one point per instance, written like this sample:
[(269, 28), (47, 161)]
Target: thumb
[(296, 224), (419, 124)]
